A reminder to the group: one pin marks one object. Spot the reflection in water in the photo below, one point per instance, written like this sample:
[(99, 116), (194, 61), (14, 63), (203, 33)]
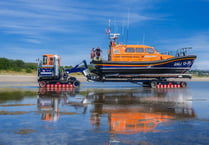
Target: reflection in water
[(10, 95), (114, 115), (128, 111), (48, 101), (140, 111)]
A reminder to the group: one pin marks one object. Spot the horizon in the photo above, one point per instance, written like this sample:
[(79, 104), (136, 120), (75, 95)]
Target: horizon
[(71, 29)]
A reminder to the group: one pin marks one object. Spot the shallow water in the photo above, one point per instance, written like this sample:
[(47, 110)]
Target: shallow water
[(105, 113)]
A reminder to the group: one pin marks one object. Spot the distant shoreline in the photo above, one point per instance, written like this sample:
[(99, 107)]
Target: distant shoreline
[(31, 80)]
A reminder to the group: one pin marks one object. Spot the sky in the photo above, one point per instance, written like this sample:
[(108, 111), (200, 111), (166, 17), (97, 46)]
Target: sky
[(71, 28)]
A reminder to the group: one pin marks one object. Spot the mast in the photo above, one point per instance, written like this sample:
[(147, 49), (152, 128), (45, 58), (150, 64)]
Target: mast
[(113, 37)]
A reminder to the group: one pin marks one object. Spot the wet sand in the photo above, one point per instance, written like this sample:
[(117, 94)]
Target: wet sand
[(24, 80), (31, 80)]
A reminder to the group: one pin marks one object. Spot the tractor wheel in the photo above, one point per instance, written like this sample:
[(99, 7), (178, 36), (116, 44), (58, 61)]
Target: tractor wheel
[(153, 84), (42, 84), (183, 84), (76, 84), (42, 91), (72, 79)]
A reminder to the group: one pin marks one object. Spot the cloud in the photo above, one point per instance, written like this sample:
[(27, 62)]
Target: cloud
[(66, 27), (32, 41), (37, 18)]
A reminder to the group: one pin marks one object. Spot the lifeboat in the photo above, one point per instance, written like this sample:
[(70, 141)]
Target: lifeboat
[(139, 60)]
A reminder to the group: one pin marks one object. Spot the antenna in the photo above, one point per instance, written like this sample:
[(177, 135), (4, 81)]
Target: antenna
[(143, 39), (108, 30), (111, 36), (109, 26), (127, 28), (122, 29)]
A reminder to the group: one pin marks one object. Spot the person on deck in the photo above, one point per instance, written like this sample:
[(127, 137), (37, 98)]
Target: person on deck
[(92, 53), (98, 53)]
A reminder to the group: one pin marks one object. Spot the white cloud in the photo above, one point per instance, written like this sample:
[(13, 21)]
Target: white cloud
[(32, 41), (36, 18), (65, 27)]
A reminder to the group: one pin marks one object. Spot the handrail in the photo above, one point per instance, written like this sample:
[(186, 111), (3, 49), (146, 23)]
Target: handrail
[(178, 52)]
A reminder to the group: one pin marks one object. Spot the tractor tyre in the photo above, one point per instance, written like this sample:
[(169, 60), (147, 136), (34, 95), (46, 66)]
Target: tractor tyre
[(153, 84), (72, 79), (76, 84), (183, 84), (42, 84)]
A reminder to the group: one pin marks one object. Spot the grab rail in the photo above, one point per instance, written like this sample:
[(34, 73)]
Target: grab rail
[(178, 52)]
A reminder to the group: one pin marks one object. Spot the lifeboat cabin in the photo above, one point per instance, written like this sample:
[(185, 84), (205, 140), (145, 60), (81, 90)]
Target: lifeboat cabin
[(134, 53)]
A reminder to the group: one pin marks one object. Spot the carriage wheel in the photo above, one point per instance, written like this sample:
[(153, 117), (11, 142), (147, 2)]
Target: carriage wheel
[(42, 84)]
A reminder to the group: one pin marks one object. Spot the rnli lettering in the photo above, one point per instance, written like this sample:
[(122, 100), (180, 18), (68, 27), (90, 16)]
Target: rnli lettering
[(185, 63), (46, 73)]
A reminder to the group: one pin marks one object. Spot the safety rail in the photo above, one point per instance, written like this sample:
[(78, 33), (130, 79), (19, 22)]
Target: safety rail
[(178, 52)]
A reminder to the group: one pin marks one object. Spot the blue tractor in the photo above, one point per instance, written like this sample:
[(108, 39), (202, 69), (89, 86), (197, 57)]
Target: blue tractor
[(51, 73)]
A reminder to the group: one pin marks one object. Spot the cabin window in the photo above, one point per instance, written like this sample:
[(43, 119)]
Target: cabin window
[(44, 60), (51, 60), (116, 51), (130, 125), (150, 50), (130, 50), (140, 125), (150, 124), (139, 50)]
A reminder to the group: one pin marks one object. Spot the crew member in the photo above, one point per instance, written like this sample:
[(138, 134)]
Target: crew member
[(98, 53), (92, 53)]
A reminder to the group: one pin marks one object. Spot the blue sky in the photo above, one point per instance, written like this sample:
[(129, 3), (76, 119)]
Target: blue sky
[(70, 28)]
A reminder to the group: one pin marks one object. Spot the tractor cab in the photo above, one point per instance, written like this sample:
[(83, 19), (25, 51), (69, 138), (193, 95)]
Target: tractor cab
[(50, 73), (48, 67), (50, 59)]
